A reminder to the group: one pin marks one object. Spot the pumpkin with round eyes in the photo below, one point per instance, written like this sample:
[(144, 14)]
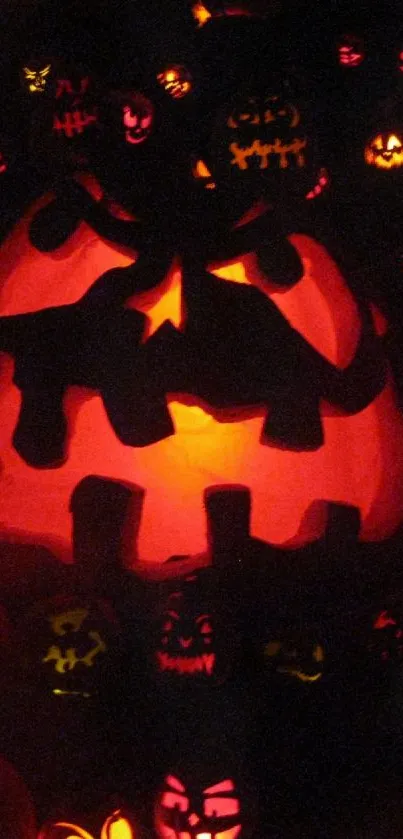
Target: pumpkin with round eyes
[(386, 641), (184, 810), (297, 657), (128, 115), (350, 51), (385, 151), (176, 81)]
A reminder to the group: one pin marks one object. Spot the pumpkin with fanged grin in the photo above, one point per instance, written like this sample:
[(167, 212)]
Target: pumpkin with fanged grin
[(188, 374)]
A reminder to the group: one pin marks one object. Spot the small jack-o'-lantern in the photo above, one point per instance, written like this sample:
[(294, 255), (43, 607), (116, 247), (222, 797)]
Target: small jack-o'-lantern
[(385, 151), (262, 132), (190, 638), (176, 80), (130, 115), (350, 51), (35, 76), (74, 111), (119, 825), (297, 657), (204, 805), (386, 642), (67, 643)]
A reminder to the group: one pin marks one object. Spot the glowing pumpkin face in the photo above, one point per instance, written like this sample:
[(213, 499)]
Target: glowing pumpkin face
[(119, 825), (74, 109), (35, 76), (299, 658), (137, 118), (386, 644), (176, 80), (265, 132), (385, 151), (350, 51), (70, 647), (182, 811), (187, 645), (207, 438)]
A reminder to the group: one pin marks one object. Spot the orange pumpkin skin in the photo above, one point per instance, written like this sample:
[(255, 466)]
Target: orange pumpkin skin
[(358, 464)]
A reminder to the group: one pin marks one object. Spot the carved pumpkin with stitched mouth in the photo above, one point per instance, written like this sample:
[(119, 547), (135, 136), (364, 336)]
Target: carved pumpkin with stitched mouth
[(299, 658), (385, 151)]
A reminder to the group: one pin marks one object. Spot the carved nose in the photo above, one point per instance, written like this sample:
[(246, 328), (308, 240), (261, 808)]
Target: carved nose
[(193, 819), (185, 642)]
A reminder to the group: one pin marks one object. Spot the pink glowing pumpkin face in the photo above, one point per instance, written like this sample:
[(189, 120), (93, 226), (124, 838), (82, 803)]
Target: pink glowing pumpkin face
[(187, 644), (350, 50), (138, 118), (184, 813)]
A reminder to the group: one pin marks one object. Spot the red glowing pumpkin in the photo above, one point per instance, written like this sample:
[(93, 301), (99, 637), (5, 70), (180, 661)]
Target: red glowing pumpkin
[(17, 817), (359, 462)]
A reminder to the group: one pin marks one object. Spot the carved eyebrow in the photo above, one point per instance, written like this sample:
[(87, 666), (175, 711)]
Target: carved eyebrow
[(223, 786), (173, 614), (174, 783), (203, 618), (45, 70)]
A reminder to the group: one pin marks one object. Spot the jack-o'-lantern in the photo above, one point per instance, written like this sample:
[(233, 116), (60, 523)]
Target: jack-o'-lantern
[(176, 80), (74, 107), (35, 76), (183, 391), (119, 825), (67, 644), (385, 151), (17, 815), (129, 115), (297, 657), (191, 641), (203, 803), (350, 51), (386, 642)]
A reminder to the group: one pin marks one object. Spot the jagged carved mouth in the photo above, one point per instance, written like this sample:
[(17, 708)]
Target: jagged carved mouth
[(185, 665)]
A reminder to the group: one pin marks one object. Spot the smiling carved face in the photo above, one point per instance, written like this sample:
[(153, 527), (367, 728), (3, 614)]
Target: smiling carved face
[(186, 644), (184, 813), (385, 151)]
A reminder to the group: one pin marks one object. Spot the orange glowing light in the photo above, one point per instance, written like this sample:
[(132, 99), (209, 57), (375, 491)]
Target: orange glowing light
[(385, 151), (161, 304), (200, 14), (117, 826), (359, 463), (201, 172)]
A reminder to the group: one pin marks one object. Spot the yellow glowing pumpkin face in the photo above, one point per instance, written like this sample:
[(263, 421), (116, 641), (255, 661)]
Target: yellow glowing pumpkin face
[(35, 77), (385, 151), (176, 81), (297, 659)]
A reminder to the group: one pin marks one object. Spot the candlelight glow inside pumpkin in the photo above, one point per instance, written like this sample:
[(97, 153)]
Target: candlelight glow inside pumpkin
[(298, 658), (115, 826), (182, 812), (35, 78), (176, 80), (210, 446), (137, 117), (350, 51), (385, 151)]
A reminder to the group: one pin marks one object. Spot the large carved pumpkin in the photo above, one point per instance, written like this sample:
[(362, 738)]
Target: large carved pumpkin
[(212, 443)]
